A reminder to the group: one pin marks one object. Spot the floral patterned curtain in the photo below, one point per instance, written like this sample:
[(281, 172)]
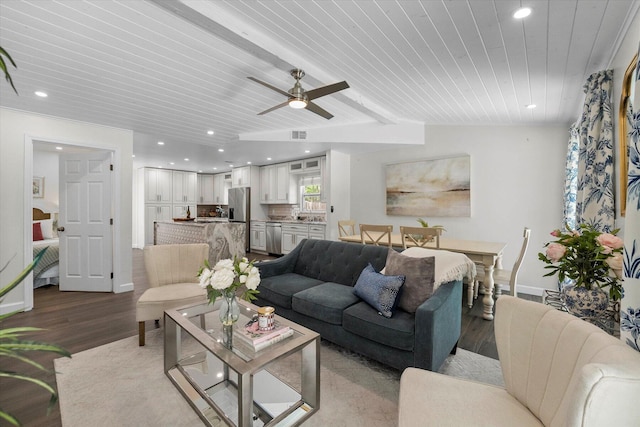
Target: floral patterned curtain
[(594, 198), (630, 304), (571, 178)]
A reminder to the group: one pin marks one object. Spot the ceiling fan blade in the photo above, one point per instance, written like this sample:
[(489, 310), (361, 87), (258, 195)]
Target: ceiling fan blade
[(280, 91), (274, 108), (326, 90), (318, 110)]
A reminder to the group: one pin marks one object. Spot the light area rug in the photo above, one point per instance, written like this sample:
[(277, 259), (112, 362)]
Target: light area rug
[(122, 384)]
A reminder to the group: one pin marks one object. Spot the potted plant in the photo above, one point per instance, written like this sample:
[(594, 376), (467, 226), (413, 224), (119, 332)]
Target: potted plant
[(12, 345), (3, 66), (592, 262)]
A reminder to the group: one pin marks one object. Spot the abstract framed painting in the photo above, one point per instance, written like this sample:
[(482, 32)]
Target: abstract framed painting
[(433, 188), (38, 187)]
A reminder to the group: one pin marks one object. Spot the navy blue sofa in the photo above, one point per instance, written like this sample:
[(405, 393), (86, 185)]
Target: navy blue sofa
[(313, 286)]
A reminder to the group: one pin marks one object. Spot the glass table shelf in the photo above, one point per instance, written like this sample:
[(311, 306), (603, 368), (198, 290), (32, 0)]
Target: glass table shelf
[(227, 382)]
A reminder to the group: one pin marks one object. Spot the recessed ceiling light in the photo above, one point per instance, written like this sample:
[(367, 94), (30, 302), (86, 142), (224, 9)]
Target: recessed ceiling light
[(210, 132), (133, 155), (186, 159), (41, 94), (221, 150), (522, 13), (248, 163), (230, 166), (160, 143), (307, 151), (531, 106), (268, 158), (171, 163), (58, 148), (215, 169), (200, 171), (160, 167)]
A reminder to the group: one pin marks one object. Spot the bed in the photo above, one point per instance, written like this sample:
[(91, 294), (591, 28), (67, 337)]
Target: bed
[(45, 235)]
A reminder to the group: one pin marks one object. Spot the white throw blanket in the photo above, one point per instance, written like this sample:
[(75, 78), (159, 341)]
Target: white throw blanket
[(449, 266)]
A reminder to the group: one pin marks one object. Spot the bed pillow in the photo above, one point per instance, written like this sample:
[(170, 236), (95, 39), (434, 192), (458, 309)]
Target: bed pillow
[(46, 226), (378, 290), (418, 283), (37, 232)]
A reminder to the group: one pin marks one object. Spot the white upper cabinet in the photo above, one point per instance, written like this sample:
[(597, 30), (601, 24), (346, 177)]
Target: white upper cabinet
[(206, 189), (241, 177), (185, 185), (157, 185), (305, 165), (277, 185), (221, 187)]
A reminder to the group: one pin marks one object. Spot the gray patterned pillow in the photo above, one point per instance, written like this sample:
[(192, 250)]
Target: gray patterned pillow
[(418, 283), (378, 290)]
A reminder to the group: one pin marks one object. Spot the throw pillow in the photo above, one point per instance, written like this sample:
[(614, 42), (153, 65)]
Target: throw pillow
[(46, 227), (378, 290), (37, 232), (418, 283)]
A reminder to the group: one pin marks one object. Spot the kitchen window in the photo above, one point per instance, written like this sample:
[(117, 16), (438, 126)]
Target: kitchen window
[(310, 194)]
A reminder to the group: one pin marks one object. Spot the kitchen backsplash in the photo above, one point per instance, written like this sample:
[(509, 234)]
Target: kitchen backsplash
[(282, 212)]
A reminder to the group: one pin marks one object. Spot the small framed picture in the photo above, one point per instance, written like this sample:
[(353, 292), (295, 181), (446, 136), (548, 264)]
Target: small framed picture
[(38, 187)]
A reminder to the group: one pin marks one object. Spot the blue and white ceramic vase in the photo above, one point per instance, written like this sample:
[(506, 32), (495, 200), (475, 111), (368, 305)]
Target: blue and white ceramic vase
[(583, 302)]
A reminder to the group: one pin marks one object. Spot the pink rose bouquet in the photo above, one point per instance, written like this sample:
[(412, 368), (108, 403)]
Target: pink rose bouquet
[(587, 257)]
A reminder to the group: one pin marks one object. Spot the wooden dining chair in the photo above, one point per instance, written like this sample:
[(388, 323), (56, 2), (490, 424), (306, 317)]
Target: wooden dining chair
[(420, 236), (346, 227), (376, 234), (502, 277)]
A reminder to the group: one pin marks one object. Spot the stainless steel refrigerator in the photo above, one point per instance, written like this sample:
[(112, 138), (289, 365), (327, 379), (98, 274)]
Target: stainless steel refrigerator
[(240, 210)]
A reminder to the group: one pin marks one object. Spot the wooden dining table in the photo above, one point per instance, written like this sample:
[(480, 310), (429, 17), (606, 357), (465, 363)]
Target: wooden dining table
[(489, 254)]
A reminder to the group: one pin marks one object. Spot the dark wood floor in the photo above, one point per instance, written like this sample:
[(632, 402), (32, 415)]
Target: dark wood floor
[(78, 321)]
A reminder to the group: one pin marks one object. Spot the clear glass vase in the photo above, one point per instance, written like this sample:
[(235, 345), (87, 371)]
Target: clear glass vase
[(229, 309)]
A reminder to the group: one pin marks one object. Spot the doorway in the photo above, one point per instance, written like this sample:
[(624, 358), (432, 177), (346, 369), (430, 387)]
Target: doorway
[(43, 166)]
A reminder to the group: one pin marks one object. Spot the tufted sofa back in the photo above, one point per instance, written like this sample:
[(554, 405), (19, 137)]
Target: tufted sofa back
[(169, 264), (338, 262), (566, 371)]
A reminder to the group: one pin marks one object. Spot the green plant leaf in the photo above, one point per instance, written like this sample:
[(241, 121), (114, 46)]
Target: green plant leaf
[(9, 418), (3, 66), (22, 275)]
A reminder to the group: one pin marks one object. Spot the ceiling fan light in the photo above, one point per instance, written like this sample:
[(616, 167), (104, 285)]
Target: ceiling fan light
[(297, 103)]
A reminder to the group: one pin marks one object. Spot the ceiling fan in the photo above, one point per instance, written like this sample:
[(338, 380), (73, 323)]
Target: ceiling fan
[(297, 97)]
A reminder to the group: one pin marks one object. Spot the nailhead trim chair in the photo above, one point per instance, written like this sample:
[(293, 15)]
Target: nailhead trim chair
[(172, 274)]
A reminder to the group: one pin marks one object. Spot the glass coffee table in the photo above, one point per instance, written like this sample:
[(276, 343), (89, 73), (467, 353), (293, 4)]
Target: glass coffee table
[(227, 382)]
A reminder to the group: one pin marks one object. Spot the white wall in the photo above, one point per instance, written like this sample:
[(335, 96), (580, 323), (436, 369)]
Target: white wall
[(339, 191), (17, 130), (517, 180), (45, 164)]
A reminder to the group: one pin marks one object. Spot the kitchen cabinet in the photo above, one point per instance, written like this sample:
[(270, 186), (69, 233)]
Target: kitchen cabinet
[(241, 177), (258, 239), (221, 188), (292, 234), (305, 165), (185, 186), (206, 193), (317, 231), (157, 185), (154, 213), (277, 185)]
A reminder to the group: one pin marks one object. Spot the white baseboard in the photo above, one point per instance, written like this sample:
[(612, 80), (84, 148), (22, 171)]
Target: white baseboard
[(10, 308)]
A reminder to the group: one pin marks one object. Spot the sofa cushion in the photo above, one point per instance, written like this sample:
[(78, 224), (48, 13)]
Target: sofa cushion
[(324, 302), (337, 262), (418, 283), (379, 291), (280, 289), (363, 320)]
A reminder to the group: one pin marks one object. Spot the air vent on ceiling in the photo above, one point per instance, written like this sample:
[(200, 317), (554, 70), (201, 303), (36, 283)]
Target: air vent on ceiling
[(298, 134)]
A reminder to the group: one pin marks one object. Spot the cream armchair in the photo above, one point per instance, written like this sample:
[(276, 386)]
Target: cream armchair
[(558, 371), (172, 274)]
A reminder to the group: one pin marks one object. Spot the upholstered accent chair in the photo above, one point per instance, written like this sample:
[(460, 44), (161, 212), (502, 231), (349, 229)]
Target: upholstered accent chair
[(558, 371), (172, 275)]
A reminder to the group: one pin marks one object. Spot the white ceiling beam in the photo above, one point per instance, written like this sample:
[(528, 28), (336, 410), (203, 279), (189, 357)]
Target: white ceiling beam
[(244, 37), (403, 132)]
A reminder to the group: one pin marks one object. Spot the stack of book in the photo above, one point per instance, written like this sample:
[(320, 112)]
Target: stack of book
[(258, 339)]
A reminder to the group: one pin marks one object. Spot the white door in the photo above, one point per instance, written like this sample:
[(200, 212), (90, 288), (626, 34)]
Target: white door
[(84, 226)]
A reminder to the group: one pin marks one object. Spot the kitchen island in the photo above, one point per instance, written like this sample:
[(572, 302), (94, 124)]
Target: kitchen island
[(225, 239)]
